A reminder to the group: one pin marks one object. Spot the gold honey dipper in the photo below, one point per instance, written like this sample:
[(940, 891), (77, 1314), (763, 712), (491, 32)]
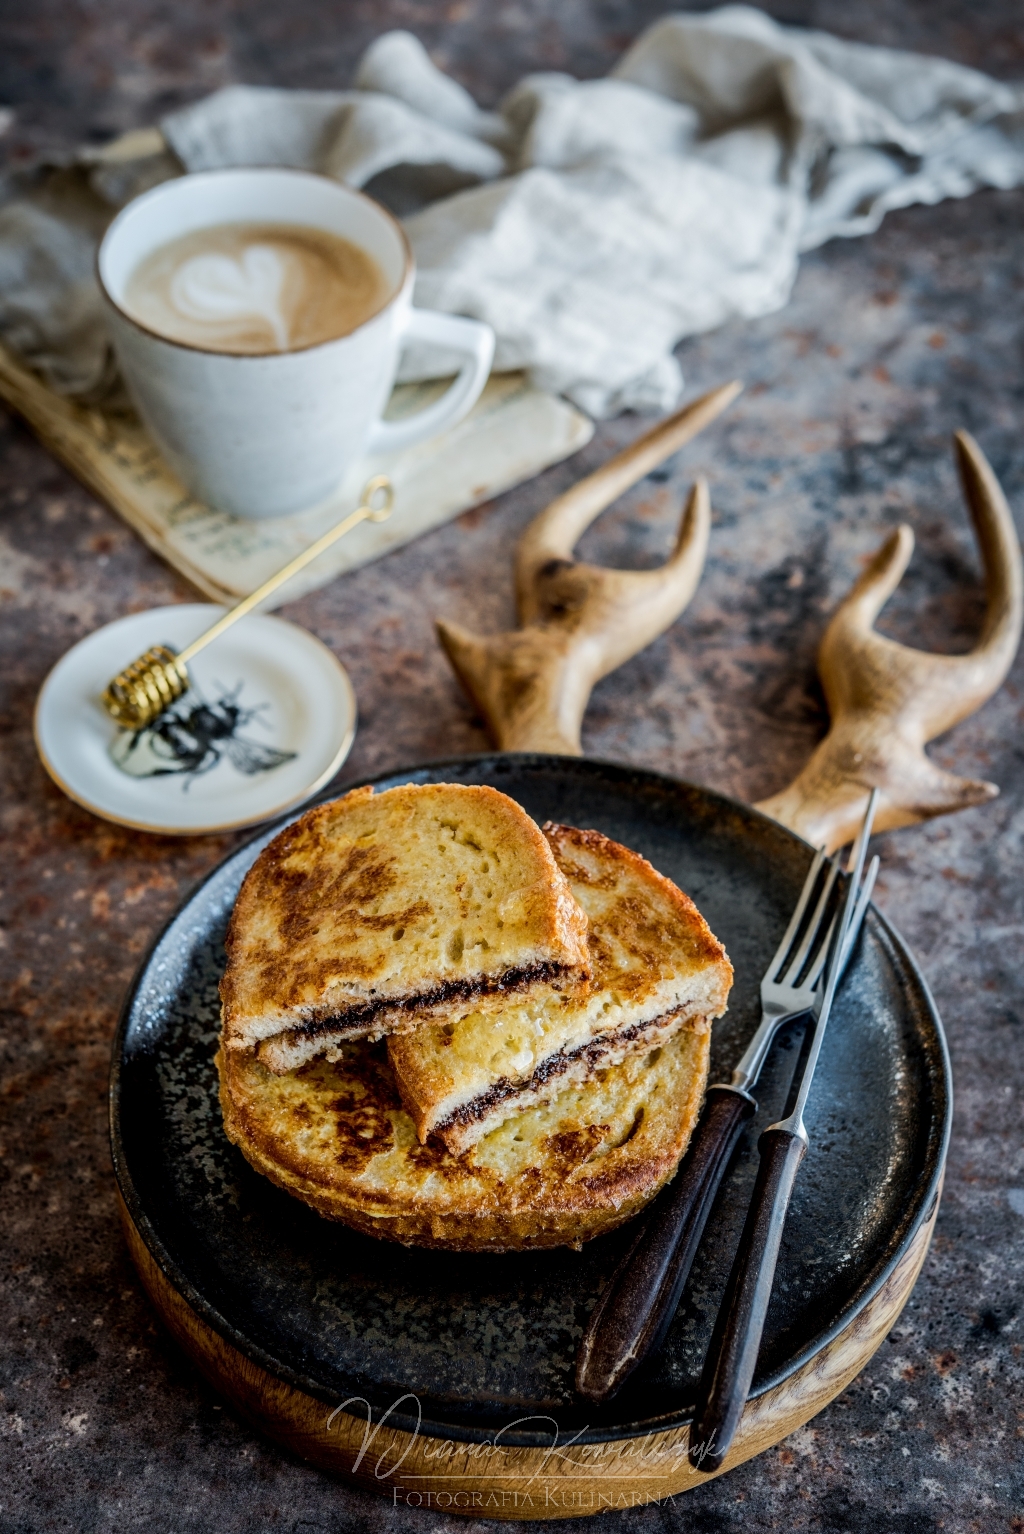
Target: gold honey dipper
[(139, 694)]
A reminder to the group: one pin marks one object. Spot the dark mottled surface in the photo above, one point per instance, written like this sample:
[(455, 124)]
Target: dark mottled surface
[(889, 344)]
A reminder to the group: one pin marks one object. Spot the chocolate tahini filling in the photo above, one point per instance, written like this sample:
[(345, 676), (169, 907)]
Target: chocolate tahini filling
[(554, 1065), (355, 1020)]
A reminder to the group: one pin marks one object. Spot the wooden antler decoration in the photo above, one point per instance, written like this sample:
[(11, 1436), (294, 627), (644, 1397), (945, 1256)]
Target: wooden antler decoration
[(887, 701), (579, 621)]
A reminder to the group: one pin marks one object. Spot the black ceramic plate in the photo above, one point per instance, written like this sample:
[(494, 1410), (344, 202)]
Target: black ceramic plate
[(487, 1341)]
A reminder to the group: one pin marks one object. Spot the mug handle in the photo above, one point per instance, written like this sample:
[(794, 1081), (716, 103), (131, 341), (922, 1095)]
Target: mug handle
[(475, 341)]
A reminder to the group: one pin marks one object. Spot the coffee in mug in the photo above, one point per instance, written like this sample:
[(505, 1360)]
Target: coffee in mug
[(253, 288), (258, 316)]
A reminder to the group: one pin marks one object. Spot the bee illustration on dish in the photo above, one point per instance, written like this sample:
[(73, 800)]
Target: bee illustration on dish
[(194, 737)]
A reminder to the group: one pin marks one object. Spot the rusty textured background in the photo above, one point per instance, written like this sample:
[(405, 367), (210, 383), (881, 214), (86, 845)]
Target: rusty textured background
[(853, 391)]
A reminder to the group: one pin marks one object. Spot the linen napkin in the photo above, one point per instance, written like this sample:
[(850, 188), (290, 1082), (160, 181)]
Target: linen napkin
[(594, 224)]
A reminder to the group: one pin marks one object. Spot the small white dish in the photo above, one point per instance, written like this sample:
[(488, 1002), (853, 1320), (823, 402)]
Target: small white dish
[(269, 719)]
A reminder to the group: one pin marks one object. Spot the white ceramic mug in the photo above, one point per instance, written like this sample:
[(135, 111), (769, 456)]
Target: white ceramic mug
[(263, 436)]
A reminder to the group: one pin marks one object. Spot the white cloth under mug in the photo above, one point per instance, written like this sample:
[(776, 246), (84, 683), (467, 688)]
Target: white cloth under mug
[(267, 435)]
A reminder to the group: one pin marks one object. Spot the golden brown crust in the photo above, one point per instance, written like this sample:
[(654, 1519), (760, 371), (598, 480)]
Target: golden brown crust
[(337, 1137), (367, 902), (653, 958), (645, 935)]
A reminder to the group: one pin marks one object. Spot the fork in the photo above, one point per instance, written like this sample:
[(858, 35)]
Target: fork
[(634, 1313)]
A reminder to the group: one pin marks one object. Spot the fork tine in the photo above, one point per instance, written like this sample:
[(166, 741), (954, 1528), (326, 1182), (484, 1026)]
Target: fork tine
[(818, 962), (813, 933), (863, 901), (798, 914), (848, 905)]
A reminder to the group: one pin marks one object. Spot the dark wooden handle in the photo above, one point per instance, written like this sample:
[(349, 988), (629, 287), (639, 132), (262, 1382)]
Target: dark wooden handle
[(633, 1314), (736, 1340)]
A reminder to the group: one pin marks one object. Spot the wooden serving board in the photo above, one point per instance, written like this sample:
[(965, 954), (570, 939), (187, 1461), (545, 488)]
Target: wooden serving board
[(511, 1483), (445, 1380)]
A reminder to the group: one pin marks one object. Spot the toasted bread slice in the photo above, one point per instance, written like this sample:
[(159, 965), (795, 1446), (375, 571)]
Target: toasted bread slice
[(377, 912), (335, 1135), (656, 966)]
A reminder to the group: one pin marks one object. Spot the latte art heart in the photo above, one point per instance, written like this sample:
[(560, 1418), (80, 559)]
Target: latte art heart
[(255, 289), (215, 288)]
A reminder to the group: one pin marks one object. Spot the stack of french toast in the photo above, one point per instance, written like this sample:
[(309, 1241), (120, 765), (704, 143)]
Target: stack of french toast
[(447, 1026)]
